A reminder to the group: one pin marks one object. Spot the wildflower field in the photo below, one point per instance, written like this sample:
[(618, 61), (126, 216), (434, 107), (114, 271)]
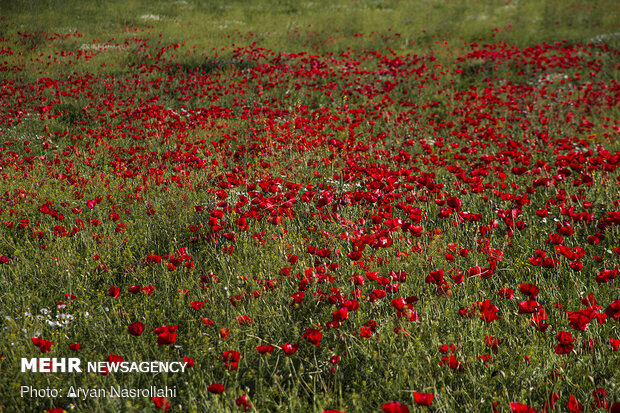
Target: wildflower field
[(302, 206)]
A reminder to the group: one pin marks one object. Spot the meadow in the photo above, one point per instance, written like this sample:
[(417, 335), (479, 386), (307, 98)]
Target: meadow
[(344, 206)]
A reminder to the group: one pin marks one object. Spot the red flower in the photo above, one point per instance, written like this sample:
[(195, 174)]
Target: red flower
[(493, 342), (576, 265), (216, 388), (289, 348), (566, 342), (365, 332), (43, 345), (136, 328), (243, 402), (224, 333), (244, 319), (506, 293), (488, 311), (313, 336), (521, 408), (111, 359), (450, 361), (166, 334), (395, 407), (556, 239), (423, 399), (528, 307), (189, 362), (615, 343), (445, 348), (538, 320), (529, 289), (265, 348), (580, 319), (208, 321), (408, 314), (372, 324), (340, 314), (486, 358), (454, 203), (551, 401), (231, 359), (355, 255), (197, 305), (114, 291), (574, 405), (75, 346), (599, 397), (114, 359), (153, 259), (161, 403), (613, 310)]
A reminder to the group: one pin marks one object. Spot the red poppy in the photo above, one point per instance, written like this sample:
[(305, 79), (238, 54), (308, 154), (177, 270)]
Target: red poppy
[(506, 293), (565, 345), (216, 388), (135, 329), (44, 345), (161, 403), (355, 255), (529, 289), (574, 405), (538, 320), (231, 359), (265, 349), (613, 310), (488, 311), (528, 307), (493, 342), (244, 319), (521, 408), (289, 348), (313, 336), (551, 401), (450, 361), (243, 402), (111, 359), (166, 334), (580, 319), (365, 332), (153, 259), (114, 291), (423, 399), (599, 399), (395, 407)]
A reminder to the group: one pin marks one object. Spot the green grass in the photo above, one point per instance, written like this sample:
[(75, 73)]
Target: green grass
[(116, 42)]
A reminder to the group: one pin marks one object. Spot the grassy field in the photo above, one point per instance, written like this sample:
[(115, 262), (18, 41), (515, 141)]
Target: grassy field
[(311, 206)]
